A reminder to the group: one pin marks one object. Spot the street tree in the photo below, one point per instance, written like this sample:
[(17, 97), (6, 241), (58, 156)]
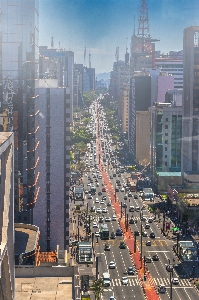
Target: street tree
[(98, 287)]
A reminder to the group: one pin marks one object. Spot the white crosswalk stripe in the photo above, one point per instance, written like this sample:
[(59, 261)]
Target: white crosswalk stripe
[(166, 281), (117, 282)]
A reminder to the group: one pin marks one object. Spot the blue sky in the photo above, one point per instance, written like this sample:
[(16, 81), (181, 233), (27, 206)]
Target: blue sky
[(103, 25)]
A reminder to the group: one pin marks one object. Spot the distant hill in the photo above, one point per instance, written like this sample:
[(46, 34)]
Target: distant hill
[(104, 76)]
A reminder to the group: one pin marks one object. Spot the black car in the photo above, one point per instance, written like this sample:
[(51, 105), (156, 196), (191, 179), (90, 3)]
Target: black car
[(107, 247), (122, 245), (117, 190), (114, 175), (155, 257), (169, 268), (118, 232), (109, 204), (124, 205), (131, 271), (136, 233), (129, 195), (119, 175), (101, 220), (99, 193), (135, 196), (112, 236), (104, 198), (152, 235), (131, 221)]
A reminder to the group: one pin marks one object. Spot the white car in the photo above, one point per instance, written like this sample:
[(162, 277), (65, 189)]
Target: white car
[(104, 210), (97, 234), (122, 189), (111, 265), (88, 184), (112, 298), (175, 280), (107, 219), (98, 210), (102, 201), (95, 225), (97, 200), (124, 280), (147, 226)]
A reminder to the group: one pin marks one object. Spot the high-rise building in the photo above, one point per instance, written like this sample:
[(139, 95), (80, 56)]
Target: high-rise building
[(51, 212), (7, 269), (19, 56), (190, 104)]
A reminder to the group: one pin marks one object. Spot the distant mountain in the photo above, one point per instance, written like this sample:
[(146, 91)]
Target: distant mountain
[(103, 76)]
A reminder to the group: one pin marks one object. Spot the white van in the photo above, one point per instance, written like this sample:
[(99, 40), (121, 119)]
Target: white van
[(114, 218), (106, 279)]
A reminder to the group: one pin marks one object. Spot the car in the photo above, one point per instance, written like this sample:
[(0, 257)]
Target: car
[(88, 184), (136, 233), (112, 236), (97, 234), (104, 198), (137, 208), (104, 189), (97, 184), (152, 235), (124, 205), (107, 219), (162, 288), (97, 200), (143, 208), (169, 268), (143, 218), (150, 220), (147, 226), (111, 265), (175, 280), (111, 177), (135, 196), (98, 210), (117, 190), (147, 259), (101, 220), (125, 197), (95, 225), (104, 210), (122, 245), (129, 195), (99, 193), (114, 175), (131, 221), (86, 192), (130, 271), (102, 201), (119, 175), (124, 280), (107, 247), (112, 298), (114, 218), (144, 234), (155, 257), (118, 232), (148, 243), (131, 208), (92, 209), (90, 197), (109, 203), (122, 189)]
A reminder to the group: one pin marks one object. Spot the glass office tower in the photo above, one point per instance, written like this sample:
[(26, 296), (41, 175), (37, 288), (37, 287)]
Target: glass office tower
[(19, 56)]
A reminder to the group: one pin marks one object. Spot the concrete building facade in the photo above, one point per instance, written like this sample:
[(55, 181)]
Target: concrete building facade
[(7, 272), (190, 104), (51, 212)]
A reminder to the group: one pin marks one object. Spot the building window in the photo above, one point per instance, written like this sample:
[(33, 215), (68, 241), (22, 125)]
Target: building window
[(166, 126), (167, 119), (165, 163), (166, 134), (165, 149), (166, 141), (165, 156)]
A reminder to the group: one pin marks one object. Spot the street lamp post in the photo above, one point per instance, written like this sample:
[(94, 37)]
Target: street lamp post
[(115, 193), (121, 210)]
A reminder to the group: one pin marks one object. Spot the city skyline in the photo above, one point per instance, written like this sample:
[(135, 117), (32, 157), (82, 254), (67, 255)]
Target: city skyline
[(103, 26)]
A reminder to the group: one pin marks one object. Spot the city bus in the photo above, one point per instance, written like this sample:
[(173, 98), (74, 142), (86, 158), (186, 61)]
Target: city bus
[(104, 234)]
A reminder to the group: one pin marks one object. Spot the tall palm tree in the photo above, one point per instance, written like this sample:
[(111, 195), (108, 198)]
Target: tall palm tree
[(98, 288)]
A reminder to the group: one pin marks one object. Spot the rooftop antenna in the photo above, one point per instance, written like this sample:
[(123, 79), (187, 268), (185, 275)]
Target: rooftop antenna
[(89, 60), (52, 42), (117, 54), (126, 45), (85, 55), (134, 26)]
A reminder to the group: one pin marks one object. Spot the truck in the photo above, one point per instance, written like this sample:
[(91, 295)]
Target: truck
[(104, 234), (132, 184)]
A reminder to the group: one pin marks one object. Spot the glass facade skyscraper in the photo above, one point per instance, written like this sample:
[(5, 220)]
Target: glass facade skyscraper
[(19, 58)]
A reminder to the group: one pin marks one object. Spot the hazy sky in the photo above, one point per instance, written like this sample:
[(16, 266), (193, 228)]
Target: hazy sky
[(102, 25)]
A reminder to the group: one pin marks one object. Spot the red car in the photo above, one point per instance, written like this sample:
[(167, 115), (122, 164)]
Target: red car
[(104, 189)]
